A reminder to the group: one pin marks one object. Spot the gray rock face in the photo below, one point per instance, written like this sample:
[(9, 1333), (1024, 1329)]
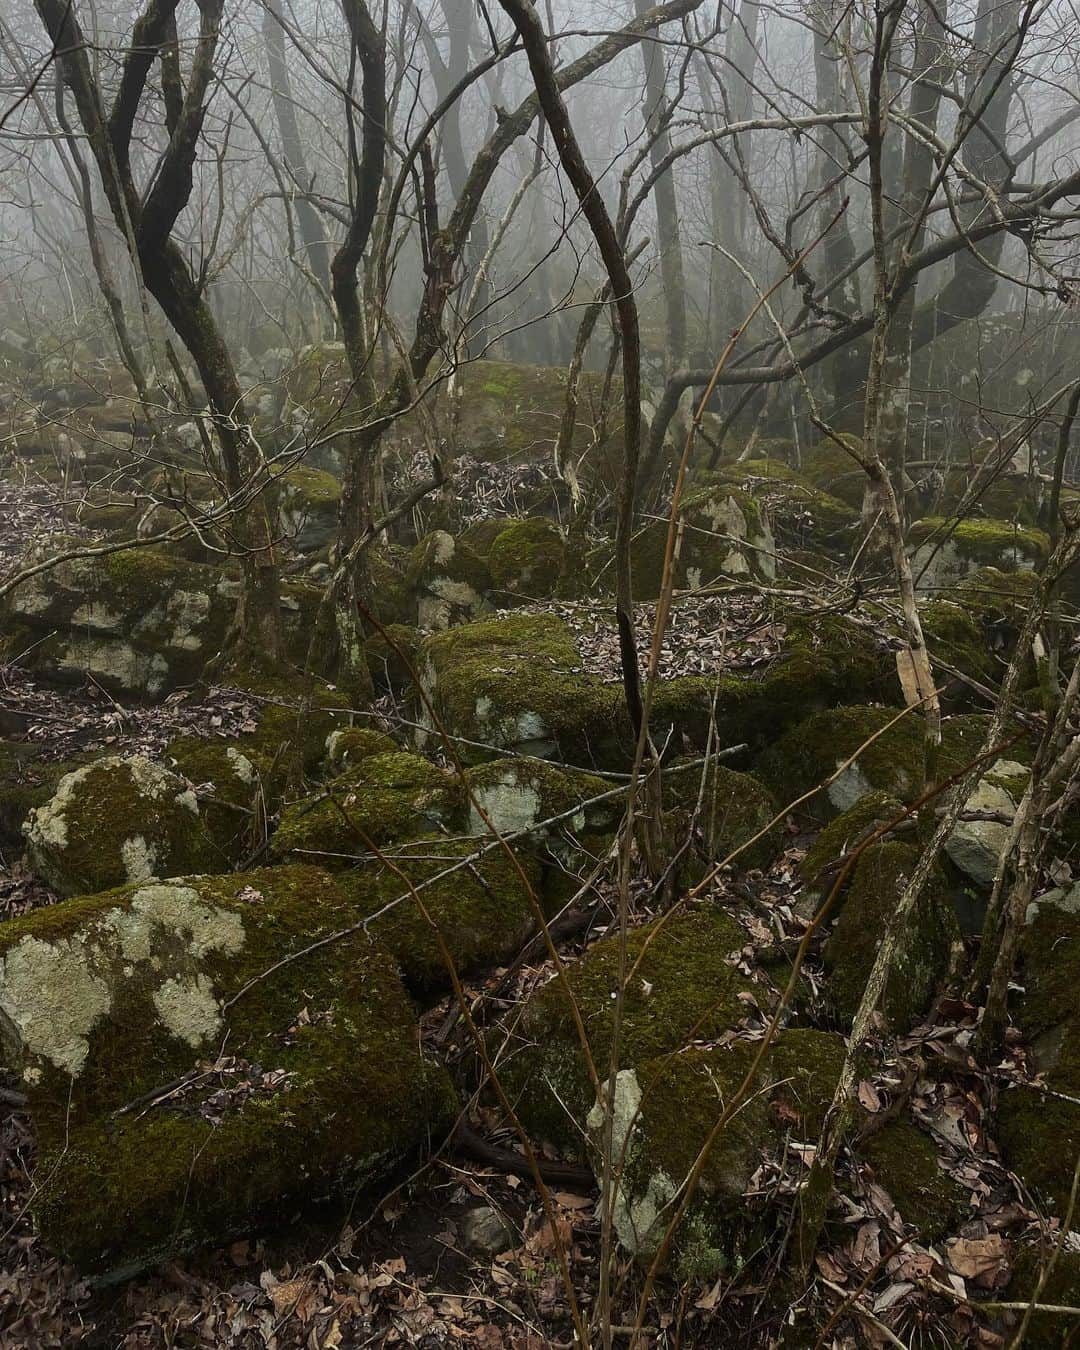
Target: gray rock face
[(975, 844)]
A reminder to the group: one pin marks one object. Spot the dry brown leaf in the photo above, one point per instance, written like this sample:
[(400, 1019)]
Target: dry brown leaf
[(983, 1260)]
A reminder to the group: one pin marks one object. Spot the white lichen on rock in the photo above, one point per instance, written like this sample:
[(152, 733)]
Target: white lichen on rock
[(53, 993)]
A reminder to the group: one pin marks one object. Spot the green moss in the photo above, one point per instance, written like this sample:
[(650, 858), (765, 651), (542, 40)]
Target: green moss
[(843, 833), (798, 510), (734, 808), (27, 781), (684, 988), (293, 727), (812, 751), (383, 798), (526, 558), (517, 793), (835, 471), (881, 874), (447, 581), (985, 543), (515, 682), (314, 488), (1046, 1331), (482, 912), (823, 662), (725, 535), (117, 820), (953, 635), (121, 1190), (905, 1163), (349, 745), (682, 1098)]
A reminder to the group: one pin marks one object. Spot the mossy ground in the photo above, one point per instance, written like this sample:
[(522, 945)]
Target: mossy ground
[(904, 1162)]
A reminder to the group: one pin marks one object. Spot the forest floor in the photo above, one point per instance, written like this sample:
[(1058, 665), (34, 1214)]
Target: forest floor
[(397, 1269)]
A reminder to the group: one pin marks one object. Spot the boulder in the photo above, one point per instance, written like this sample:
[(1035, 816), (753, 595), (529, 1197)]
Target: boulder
[(515, 683), (944, 551), (800, 514), (685, 987), (193, 1076), (117, 820), (666, 1113), (309, 501), (435, 897), (725, 813), (140, 621), (385, 797), (347, 746), (976, 841), (824, 858), (522, 793), (1039, 1131), (229, 790), (725, 536), (817, 747), (879, 879), (448, 582), (526, 559)]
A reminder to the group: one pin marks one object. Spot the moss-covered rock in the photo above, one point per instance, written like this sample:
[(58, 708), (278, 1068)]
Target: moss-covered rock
[(347, 746), (725, 536), (383, 798), (894, 763), (515, 683), (26, 781), (881, 874), (140, 621), (117, 820), (448, 582), (833, 470), (684, 988), (904, 1162), (309, 500), (943, 551), (292, 728), (526, 559), (675, 1102), (110, 999), (954, 635), (227, 787), (1039, 1133), (843, 834), (799, 513), (483, 911), (978, 837), (727, 810), (521, 793)]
